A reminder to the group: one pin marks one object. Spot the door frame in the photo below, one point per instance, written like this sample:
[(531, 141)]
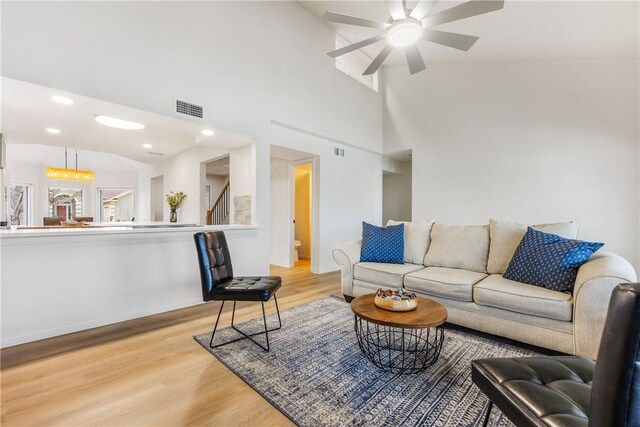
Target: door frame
[(315, 209)]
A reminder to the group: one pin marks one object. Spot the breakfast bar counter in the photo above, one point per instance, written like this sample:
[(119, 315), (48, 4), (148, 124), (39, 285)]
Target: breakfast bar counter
[(60, 280)]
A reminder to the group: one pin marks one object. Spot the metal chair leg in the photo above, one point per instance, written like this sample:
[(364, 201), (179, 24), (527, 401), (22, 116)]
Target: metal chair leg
[(266, 330), (233, 313), (216, 326), (488, 415), (245, 335), (275, 299)]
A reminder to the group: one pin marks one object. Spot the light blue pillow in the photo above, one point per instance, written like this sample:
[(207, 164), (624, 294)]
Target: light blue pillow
[(548, 260), (382, 244)]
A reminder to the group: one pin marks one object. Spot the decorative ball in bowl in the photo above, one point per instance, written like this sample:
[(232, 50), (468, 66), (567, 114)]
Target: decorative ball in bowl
[(395, 300)]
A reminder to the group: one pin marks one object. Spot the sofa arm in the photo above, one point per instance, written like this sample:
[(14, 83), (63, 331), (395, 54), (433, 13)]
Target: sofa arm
[(346, 256), (591, 293)]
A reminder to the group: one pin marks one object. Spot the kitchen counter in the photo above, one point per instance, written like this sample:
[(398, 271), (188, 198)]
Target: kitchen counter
[(116, 228), (62, 280)]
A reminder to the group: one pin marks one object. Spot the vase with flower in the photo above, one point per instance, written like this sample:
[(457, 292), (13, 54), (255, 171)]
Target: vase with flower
[(175, 201)]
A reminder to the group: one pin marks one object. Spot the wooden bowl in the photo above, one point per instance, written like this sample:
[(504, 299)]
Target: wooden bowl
[(395, 305)]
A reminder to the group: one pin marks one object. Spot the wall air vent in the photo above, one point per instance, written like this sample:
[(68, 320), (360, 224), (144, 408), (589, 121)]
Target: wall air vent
[(189, 109), (155, 154), (338, 151)]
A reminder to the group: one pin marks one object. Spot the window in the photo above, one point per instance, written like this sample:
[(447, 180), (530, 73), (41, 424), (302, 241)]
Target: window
[(116, 204), (64, 202), (354, 63), (20, 210)]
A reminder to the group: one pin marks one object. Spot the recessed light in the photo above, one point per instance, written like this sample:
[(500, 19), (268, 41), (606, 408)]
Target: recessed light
[(62, 100), (118, 123), (208, 132), (147, 145), (53, 131)]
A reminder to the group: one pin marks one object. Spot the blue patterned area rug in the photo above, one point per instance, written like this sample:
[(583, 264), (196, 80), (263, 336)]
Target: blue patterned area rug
[(316, 375)]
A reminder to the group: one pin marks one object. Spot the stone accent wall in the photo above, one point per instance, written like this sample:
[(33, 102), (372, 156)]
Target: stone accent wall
[(242, 210)]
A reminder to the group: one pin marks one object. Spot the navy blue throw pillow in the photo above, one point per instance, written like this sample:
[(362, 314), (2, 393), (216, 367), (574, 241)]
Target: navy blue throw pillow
[(548, 260), (382, 244)]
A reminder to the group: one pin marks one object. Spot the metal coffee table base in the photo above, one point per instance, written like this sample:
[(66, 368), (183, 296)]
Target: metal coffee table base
[(399, 350)]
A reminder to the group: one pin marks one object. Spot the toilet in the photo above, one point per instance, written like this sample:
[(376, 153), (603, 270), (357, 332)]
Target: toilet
[(296, 245)]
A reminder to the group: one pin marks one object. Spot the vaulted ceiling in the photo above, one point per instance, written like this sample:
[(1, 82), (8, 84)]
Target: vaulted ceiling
[(521, 31)]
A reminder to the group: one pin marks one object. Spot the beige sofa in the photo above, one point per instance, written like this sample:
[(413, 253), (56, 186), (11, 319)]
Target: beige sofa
[(462, 268)]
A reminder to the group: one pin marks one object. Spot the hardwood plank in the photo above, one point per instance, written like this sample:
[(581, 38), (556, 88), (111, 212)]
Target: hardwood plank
[(146, 371)]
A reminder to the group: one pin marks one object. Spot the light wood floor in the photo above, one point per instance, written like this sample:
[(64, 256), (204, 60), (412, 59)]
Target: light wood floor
[(144, 372)]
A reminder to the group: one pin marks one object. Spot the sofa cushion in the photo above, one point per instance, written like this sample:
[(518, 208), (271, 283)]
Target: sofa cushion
[(506, 236), (459, 246), (496, 291), (386, 275), (382, 244), (450, 283), (549, 261), (416, 239)]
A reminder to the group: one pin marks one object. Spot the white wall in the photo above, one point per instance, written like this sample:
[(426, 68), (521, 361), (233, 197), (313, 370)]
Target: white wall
[(396, 194), (186, 172), (243, 78), (530, 142), (27, 163)]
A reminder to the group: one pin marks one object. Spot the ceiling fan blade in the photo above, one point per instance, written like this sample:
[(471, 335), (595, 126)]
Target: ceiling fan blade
[(377, 62), (356, 46), (465, 10), (414, 59), (354, 20), (396, 9), (454, 40), (422, 8)]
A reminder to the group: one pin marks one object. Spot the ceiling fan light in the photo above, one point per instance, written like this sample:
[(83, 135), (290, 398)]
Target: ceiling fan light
[(404, 32)]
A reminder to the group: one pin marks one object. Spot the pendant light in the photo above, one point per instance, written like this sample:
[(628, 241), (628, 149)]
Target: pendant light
[(70, 174)]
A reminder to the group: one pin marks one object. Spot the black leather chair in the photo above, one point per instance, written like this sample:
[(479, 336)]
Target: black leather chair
[(569, 390), (218, 284)]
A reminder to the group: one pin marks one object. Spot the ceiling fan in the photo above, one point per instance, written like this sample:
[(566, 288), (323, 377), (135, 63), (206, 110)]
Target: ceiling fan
[(407, 26)]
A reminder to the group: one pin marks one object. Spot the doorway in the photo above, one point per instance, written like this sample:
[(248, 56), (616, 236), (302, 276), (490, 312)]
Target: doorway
[(116, 204), (216, 191), (65, 203), (157, 198), (396, 187), (294, 187), (302, 214)]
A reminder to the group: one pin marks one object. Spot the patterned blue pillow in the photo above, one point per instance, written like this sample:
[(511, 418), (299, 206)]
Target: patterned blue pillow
[(382, 244), (548, 260)]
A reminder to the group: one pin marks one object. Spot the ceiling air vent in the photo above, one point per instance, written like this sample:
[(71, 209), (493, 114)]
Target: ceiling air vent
[(155, 154), (189, 109)]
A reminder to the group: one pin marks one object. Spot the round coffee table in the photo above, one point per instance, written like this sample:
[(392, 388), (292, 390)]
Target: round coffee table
[(400, 342)]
